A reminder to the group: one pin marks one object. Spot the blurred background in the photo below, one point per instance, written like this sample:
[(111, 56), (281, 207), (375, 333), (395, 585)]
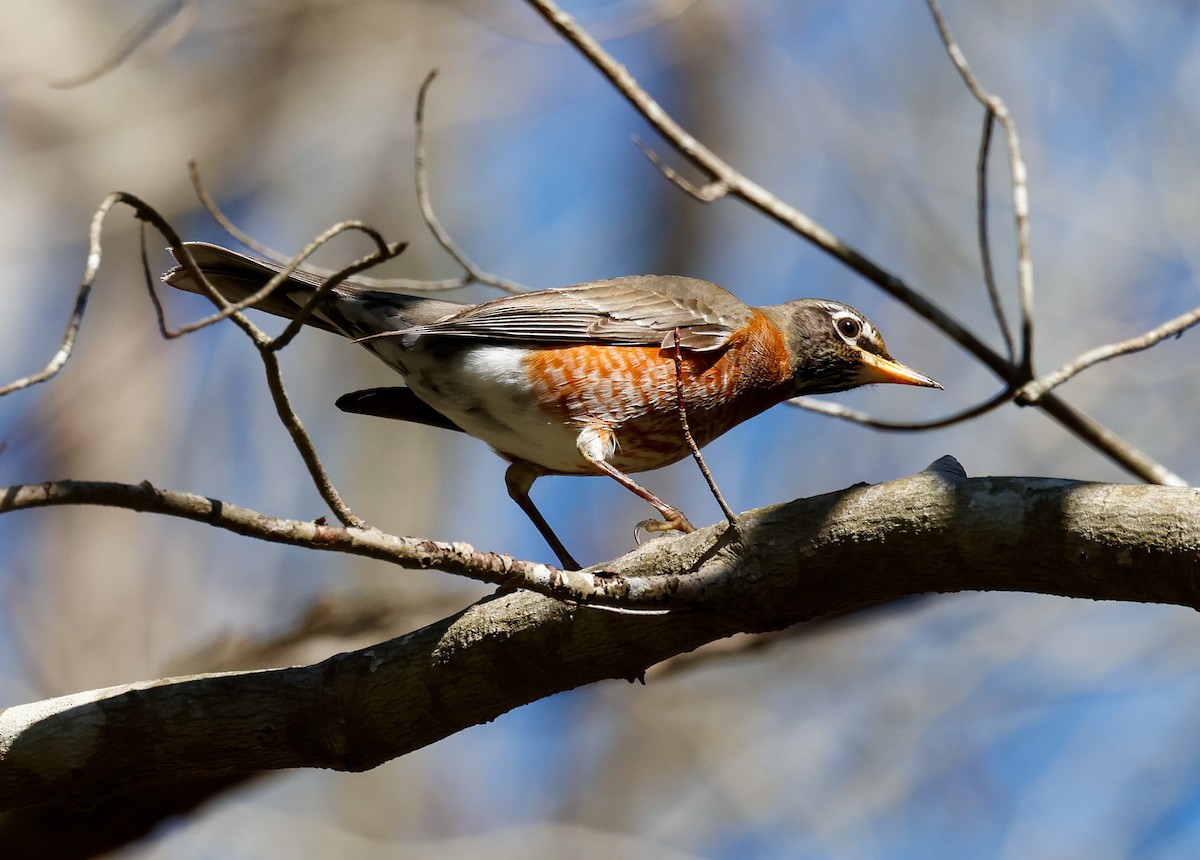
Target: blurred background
[(981, 725)]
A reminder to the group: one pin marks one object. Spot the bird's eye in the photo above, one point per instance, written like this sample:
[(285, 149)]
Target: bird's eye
[(849, 327)]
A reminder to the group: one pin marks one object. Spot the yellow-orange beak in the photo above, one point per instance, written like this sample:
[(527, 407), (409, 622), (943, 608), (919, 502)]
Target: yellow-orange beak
[(877, 369)]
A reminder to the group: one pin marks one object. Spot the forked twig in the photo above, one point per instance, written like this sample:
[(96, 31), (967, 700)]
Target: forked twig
[(1020, 188), (707, 193), (472, 273), (262, 250), (147, 213), (1038, 389), (384, 251), (267, 350)]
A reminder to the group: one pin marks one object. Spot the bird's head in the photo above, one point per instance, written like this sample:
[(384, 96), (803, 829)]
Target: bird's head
[(835, 348)]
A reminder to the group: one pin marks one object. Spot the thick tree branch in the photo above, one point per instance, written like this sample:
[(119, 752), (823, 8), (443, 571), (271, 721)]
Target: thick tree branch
[(934, 532)]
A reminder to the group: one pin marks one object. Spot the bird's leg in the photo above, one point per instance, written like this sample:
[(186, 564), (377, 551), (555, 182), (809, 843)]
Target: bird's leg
[(595, 445), (672, 520), (519, 479)]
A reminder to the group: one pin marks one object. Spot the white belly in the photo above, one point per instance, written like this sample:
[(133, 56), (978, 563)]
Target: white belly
[(485, 390)]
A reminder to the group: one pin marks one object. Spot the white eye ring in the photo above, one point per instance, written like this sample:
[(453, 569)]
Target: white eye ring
[(849, 326)]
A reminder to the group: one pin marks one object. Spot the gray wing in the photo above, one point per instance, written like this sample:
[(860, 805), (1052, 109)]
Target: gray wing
[(637, 310)]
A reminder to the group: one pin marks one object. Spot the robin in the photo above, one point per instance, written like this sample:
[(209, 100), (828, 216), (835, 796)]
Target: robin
[(581, 380)]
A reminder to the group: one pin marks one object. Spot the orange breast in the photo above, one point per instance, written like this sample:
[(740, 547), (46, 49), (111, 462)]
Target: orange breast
[(632, 390)]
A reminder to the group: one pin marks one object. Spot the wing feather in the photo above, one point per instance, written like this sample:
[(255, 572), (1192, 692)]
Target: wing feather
[(639, 310)]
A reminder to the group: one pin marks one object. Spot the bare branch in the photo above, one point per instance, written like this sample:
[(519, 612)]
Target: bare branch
[(933, 532), (95, 251), (1020, 189), (1036, 390), (707, 193), (836, 410), (473, 272), (985, 242), (267, 351), (292, 262), (167, 15), (384, 251), (600, 588), (225, 221), (753, 194)]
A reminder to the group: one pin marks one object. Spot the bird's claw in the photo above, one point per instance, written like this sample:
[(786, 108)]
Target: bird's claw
[(674, 521)]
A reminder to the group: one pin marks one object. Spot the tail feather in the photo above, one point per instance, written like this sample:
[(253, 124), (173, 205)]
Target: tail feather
[(395, 402), (350, 310)]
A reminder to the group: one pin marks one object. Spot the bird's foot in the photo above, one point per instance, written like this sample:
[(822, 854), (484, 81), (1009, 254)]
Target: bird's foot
[(673, 521)]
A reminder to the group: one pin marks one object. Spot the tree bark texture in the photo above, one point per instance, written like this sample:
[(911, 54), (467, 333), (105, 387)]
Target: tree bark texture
[(937, 531)]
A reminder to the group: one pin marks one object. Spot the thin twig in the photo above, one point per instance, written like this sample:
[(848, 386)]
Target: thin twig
[(303, 442), (681, 406), (836, 410), (602, 588), (707, 193), (227, 223), (472, 272), (985, 243), (145, 212), (67, 344), (755, 196), (1020, 189), (267, 351), (206, 200), (228, 309), (160, 313), (383, 251), (177, 13), (1036, 390)]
